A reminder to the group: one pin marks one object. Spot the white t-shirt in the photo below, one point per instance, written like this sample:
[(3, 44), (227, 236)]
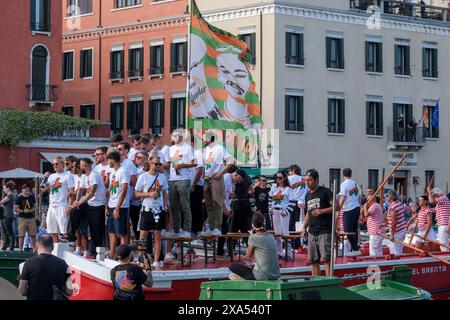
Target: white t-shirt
[(350, 189), (99, 198), (298, 188), (131, 169), (59, 188), (165, 152), (145, 181), (80, 183), (229, 187), (116, 179), (198, 155), (132, 154), (180, 154), (104, 170), (214, 158)]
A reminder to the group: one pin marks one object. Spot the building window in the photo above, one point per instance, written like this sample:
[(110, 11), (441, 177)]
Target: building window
[(294, 113), (68, 65), (430, 122), (430, 62), (177, 113), (374, 118), (40, 12), (374, 56), (156, 60), (116, 116), (403, 114), (429, 174), (117, 65), (136, 63), (79, 7), (373, 179), (135, 116), (86, 61), (178, 57), (126, 3), (335, 53), (336, 115), (335, 174), (39, 89), (87, 111), (294, 48), (68, 111), (402, 60), (250, 41), (156, 116)]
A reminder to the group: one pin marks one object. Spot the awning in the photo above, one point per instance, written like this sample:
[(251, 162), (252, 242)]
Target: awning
[(20, 173), (50, 155)]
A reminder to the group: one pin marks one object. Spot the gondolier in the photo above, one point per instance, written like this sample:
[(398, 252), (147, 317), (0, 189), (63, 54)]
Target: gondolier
[(442, 210), (424, 219), (375, 225), (396, 221)]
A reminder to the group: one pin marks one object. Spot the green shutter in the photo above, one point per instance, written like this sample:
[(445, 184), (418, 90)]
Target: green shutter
[(379, 67), (328, 53), (32, 15), (140, 114), (129, 115), (425, 70), (112, 116), (172, 57), (286, 110)]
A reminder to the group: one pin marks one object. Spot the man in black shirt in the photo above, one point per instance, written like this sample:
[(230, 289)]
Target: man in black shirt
[(45, 275), (319, 202), (25, 206), (128, 278), (262, 200)]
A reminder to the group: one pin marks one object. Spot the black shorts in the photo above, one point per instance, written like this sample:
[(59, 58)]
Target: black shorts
[(152, 220)]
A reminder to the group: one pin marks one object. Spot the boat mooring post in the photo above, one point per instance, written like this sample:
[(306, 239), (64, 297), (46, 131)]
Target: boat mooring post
[(333, 229)]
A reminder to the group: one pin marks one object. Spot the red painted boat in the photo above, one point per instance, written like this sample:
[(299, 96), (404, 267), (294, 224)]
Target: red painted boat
[(92, 279)]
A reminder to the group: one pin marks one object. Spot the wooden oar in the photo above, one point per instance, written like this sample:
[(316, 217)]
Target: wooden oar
[(415, 249), (387, 178), (433, 241), (414, 231), (382, 193)]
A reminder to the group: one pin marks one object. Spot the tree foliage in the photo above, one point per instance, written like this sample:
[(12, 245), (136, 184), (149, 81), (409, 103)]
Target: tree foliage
[(25, 126)]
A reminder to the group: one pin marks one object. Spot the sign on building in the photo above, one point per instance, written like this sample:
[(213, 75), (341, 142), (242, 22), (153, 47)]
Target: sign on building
[(409, 162)]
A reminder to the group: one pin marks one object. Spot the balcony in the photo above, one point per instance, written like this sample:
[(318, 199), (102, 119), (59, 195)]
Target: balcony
[(40, 27), (404, 8), (405, 138), (38, 94), (93, 135)]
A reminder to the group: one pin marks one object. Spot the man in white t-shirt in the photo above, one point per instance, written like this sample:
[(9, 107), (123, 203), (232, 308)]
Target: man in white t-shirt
[(102, 166), (181, 157), (61, 187), (217, 161), (94, 203), (135, 147), (118, 202), (350, 200), (297, 197), (197, 184)]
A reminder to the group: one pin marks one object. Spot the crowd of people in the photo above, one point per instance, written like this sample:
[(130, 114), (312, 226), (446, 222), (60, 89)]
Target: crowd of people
[(143, 190)]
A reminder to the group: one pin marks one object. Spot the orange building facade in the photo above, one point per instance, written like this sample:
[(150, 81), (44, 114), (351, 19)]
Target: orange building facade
[(124, 63)]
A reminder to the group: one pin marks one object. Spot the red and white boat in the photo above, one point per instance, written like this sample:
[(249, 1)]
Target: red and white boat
[(92, 279)]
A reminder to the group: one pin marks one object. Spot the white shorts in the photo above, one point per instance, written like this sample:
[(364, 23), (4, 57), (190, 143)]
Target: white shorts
[(443, 237), (57, 220), (395, 248), (280, 223), (375, 245), (431, 235)]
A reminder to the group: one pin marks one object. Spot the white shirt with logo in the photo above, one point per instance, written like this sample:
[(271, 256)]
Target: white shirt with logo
[(198, 155), (99, 198), (116, 180), (298, 188), (59, 188), (229, 187), (214, 158), (180, 154), (160, 185), (350, 189)]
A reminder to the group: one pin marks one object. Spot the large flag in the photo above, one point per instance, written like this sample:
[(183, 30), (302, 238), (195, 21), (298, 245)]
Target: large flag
[(435, 117), (221, 90), (426, 117)]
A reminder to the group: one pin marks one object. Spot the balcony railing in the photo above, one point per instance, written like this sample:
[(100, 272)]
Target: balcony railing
[(404, 8), (155, 71), (406, 136), (42, 94), (40, 26), (295, 60)]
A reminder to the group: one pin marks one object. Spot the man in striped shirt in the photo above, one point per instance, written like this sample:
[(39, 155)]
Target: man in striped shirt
[(442, 211), (375, 225), (396, 221)]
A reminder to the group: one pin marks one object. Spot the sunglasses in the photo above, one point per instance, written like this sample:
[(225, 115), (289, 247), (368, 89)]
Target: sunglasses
[(120, 149), (280, 178), (138, 157), (263, 180), (67, 163), (157, 164)]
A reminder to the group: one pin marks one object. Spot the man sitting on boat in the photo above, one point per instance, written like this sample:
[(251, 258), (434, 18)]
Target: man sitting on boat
[(263, 247), (128, 278)]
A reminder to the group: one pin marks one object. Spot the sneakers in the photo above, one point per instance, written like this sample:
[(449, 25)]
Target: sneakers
[(185, 234), (155, 264), (169, 255), (171, 234), (161, 264), (216, 232), (77, 251), (205, 233)]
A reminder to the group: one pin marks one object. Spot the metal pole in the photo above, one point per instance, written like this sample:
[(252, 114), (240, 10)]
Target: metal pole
[(333, 230)]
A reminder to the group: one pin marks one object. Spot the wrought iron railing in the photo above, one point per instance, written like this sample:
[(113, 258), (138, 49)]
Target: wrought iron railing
[(41, 93)]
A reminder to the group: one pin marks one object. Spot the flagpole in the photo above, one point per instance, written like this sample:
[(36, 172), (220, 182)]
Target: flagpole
[(188, 70)]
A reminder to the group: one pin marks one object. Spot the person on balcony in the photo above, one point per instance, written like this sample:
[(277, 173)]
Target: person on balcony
[(412, 128)]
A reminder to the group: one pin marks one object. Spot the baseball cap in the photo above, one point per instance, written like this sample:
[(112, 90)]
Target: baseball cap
[(123, 251), (436, 191)]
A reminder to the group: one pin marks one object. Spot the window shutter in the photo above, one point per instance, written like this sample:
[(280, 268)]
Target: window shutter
[(185, 56), (113, 116), (341, 63), (111, 63), (173, 115), (48, 14), (161, 119), (141, 114), (286, 108), (368, 118), (33, 15), (63, 66), (122, 63), (89, 63), (341, 111), (379, 57), (300, 114), (328, 49), (301, 49), (122, 114), (82, 63), (329, 116), (71, 55), (153, 62), (425, 68), (172, 57), (130, 60), (129, 115), (151, 112), (288, 47), (161, 66), (141, 60), (434, 65), (380, 124), (367, 56), (253, 47), (407, 61)]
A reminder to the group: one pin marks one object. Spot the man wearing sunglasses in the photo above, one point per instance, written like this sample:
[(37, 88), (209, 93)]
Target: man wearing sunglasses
[(61, 184), (262, 200), (101, 163)]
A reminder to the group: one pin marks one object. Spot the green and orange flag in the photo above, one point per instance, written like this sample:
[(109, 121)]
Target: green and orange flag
[(221, 90)]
